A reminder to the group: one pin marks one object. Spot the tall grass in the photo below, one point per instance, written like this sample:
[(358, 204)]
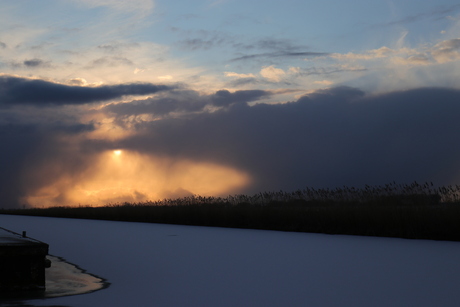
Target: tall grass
[(417, 211)]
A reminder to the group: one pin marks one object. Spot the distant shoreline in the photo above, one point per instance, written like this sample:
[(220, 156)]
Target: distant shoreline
[(405, 211)]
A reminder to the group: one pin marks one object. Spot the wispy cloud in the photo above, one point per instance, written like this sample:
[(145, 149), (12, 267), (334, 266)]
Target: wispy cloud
[(447, 51), (213, 3), (326, 70), (110, 61), (279, 54), (184, 101), (237, 75), (141, 7), (436, 13), (192, 40), (200, 43), (267, 47), (415, 60), (368, 55), (442, 52)]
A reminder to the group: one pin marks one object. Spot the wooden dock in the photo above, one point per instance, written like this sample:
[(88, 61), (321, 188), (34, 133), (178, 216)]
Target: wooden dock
[(22, 263)]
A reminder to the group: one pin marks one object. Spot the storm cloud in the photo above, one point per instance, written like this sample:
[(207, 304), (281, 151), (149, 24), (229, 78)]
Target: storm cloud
[(329, 138), (25, 146), (333, 137), (22, 91)]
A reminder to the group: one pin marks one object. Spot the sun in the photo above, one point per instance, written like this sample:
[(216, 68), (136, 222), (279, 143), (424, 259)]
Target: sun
[(117, 152)]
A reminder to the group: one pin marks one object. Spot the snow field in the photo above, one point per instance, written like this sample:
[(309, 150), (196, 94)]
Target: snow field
[(174, 265)]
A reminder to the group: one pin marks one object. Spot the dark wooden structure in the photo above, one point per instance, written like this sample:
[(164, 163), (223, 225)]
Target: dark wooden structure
[(22, 263)]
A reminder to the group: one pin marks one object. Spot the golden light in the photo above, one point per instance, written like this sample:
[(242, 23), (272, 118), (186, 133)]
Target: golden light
[(137, 178)]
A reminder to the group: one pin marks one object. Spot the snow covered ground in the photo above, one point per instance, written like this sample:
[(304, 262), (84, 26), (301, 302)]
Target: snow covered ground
[(170, 265)]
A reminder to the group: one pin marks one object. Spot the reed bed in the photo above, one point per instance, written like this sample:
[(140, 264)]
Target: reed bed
[(415, 211)]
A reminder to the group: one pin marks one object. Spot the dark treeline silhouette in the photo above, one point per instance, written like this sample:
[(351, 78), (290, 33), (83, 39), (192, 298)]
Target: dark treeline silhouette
[(415, 211)]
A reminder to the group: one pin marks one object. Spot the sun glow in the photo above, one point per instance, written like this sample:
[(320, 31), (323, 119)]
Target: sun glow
[(125, 176)]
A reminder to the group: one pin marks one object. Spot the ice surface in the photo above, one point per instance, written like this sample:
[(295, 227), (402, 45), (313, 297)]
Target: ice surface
[(173, 265), (64, 278)]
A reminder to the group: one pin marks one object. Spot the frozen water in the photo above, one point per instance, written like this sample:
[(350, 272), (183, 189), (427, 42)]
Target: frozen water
[(174, 265), (64, 278)]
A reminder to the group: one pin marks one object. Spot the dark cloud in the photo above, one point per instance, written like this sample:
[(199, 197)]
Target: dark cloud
[(197, 44), (35, 63), (279, 54), (116, 47), (276, 44), (2, 45), (16, 142), (331, 138), (267, 47), (108, 48), (340, 136), (270, 43), (17, 91), (184, 101), (24, 145), (274, 48), (202, 39), (328, 70)]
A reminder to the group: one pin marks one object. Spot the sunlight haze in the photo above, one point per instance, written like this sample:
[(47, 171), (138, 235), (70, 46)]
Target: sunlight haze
[(109, 101)]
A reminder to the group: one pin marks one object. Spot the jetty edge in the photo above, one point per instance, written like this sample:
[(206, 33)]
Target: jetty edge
[(22, 264)]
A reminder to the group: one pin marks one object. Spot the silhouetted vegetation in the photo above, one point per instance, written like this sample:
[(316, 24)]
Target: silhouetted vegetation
[(417, 211)]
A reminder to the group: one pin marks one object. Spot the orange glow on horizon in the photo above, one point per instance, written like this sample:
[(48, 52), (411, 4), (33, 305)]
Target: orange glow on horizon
[(125, 176)]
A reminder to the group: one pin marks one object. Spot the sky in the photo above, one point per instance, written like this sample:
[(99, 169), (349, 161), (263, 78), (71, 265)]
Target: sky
[(106, 101)]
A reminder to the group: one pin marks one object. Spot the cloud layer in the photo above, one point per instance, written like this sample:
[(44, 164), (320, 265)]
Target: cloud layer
[(15, 91), (333, 137), (184, 101), (340, 136), (108, 100)]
